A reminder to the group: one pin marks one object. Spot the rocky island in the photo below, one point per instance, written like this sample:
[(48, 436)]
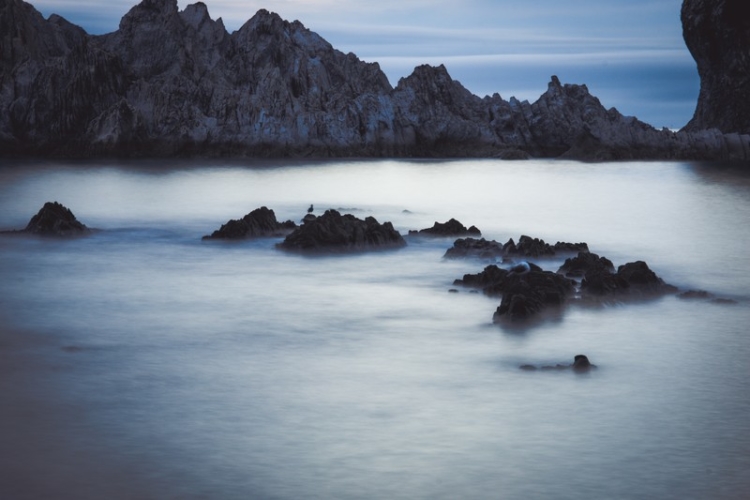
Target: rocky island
[(52, 220), (176, 83)]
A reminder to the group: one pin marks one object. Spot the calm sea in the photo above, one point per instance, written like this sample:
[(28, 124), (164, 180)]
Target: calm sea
[(143, 363)]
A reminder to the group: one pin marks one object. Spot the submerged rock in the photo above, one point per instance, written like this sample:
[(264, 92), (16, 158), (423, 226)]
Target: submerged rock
[(334, 232), (581, 364), (446, 229), (259, 223), (53, 219)]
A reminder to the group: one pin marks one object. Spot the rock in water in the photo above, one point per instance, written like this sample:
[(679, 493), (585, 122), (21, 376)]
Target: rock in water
[(259, 223), (717, 33), (450, 228), (54, 219), (334, 232), (581, 363), (526, 295)]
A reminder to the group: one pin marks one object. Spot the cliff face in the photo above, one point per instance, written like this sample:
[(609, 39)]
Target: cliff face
[(176, 82), (717, 33)]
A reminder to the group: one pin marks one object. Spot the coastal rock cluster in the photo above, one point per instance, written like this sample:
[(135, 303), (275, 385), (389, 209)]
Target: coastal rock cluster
[(171, 82), (527, 290)]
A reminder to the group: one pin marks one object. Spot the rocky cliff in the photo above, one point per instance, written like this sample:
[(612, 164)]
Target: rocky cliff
[(717, 33), (172, 82)]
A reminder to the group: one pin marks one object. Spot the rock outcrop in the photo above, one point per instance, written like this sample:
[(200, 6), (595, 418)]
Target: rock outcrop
[(450, 228), (171, 82), (586, 262), (527, 290), (337, 233), (526, 247), (53, 219), (259, 223), (527, 294), (632, 281), (717, 33)]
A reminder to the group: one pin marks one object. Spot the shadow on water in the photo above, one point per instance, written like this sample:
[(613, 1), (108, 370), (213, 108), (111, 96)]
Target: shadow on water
[(732, 173)]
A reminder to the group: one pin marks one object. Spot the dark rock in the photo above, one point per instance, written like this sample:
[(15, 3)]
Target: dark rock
[(633, 280), (54, 219), (308, 218), (450, 228), (529, 368), (717, 33), (172, 82), (581, 363), (333, 232), (472, 247), (526, 295), (491, 278), (259, 223), (526, 247), (586, 262)]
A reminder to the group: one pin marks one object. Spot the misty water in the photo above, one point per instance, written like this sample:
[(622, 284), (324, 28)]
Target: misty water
[(143, 362)]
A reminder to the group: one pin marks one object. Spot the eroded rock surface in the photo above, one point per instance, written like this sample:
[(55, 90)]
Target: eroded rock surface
[(717, 33), (334, 232), (447, 229), (527, 290), (53, 219), (259, 223), (526, 247), (171, 82)]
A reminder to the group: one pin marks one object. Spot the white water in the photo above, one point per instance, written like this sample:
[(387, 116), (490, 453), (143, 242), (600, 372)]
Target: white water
[(142, 362)]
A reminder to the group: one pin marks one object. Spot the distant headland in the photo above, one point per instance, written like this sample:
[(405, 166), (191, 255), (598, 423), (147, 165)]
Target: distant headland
[(171, 83)]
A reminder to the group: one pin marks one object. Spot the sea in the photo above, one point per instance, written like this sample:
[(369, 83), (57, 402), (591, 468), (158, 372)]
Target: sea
[(142, 362)]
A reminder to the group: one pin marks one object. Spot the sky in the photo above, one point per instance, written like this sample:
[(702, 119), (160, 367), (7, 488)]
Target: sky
[(630, 53)]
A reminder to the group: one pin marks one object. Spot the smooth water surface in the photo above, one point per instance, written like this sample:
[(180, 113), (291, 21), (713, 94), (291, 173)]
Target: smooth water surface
[(142, 362)]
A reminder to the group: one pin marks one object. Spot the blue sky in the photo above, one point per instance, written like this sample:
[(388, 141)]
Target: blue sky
[(629, 53)]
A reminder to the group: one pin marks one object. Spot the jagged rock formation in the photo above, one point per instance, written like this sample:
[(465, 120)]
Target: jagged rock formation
[(632, 281), (526, 247), (53, 219), (172, 82), (527, 290), (584, 262), (717, 33), (446, 229), (259, 223), (334, 232)]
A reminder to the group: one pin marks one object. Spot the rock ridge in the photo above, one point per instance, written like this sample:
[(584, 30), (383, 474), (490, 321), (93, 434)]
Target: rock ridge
[(176, 83)]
